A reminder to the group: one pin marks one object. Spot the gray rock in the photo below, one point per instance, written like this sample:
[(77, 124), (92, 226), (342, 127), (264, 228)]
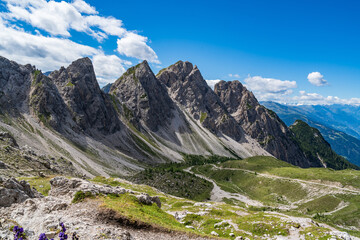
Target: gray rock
[(7, 137), (47, 104), (2, 166), (148, 200), (13, 191), (15, 81), (260, 123), (61, 186)]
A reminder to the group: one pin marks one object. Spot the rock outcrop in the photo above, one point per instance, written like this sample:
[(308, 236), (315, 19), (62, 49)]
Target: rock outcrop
[(15, 81), (260, 123), (13, 191), (187, 87), (148, 200), (61, 187), (47, 104)]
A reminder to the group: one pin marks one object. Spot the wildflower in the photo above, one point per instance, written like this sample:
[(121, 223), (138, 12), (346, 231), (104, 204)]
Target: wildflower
[(19, 233), (43, 237), (62, 234)]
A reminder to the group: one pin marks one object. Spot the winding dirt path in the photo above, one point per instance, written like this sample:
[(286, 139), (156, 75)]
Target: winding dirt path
[(217, 194), (342, 189)]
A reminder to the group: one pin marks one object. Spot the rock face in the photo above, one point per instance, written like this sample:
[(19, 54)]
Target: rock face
[(12, 191), (47, 104), (144, 99), (317, 149), (187, 87), (89, 107), (260, 123), (14, 84)]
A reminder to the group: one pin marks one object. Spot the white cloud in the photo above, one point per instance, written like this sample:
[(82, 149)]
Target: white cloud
[(212, 83), (316, 99), (83, 7), (134, 45), (108, 67), (58, 18), (317, 79), (234, 75), (269, 88), (52, 47), (47, 53)]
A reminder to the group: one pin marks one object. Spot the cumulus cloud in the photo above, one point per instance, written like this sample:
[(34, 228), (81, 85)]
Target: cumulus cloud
[(83, 7), (58, 18), (212, 83), (134, 45), (106, 67), (269, 88), (47, 53), (50, 46), (317, 79), (305, 98)]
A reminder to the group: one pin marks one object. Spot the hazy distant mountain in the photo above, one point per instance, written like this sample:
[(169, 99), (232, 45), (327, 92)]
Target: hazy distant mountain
[(345, 118), (342, 143), (106, 88)]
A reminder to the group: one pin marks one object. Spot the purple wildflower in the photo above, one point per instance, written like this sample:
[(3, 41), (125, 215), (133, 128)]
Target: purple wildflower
[(62, 234), (18, 233)]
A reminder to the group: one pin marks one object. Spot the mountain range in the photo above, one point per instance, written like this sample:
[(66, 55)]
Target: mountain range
[(142, 119)]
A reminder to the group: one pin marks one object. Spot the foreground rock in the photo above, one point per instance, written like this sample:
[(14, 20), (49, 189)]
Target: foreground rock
[(37, 214), (13, 191)]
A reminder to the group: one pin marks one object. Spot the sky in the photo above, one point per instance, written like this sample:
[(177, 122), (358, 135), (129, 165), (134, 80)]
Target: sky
[(293, 52)]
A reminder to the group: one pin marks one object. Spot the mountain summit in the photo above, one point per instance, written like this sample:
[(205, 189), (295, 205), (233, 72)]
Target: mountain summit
[(260, 123)]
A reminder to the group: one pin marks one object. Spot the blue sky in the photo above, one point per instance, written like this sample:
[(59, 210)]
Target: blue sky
[(270, 46)]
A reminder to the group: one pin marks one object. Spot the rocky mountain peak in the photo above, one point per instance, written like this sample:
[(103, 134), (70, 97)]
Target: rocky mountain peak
[(260, 123), (189, 89), (89, 106), (144, 99)]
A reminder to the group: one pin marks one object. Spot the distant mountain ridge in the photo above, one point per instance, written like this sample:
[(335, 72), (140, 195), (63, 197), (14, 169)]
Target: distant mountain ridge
[(345, 118), (342, 143)]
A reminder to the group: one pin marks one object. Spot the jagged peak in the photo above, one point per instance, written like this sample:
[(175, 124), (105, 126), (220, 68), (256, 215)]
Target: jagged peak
[(84, 60), (180, 66), (136, 73)]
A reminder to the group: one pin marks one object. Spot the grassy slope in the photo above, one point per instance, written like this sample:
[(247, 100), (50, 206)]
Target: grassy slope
[(176, 182), (251, 224), (170, 178), (262, 190), (347, 177)]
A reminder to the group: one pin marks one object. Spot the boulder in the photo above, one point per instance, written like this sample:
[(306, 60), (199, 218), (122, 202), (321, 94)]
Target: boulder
[(144, 198), (13, 191)]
